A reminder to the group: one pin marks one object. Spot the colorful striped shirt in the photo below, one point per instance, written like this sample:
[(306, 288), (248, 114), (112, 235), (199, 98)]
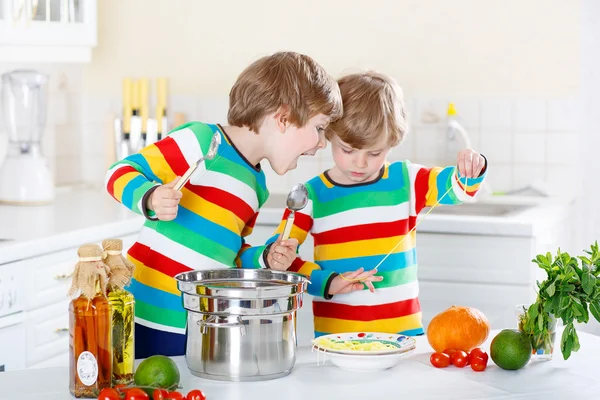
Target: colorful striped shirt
[(218, 209), (356, 226)]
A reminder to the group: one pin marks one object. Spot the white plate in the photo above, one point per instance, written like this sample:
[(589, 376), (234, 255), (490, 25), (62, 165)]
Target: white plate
[(401, 343), (362, 363)]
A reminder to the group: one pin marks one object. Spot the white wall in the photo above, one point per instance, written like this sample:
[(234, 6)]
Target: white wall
[(460, 47), (588, 222), (512, 67)]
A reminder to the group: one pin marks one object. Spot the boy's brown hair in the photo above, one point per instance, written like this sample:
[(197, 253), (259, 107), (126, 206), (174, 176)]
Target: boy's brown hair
[(373, 106), (287, 79)]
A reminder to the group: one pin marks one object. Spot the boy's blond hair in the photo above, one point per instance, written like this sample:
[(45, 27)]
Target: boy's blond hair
[(285, 79), (373, 106)]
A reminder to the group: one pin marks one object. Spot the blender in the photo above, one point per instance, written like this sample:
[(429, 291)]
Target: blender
[(25, 178)]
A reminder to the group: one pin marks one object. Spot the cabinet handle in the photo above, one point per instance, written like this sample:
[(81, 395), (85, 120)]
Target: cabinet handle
[(59, 330), (63, 276)]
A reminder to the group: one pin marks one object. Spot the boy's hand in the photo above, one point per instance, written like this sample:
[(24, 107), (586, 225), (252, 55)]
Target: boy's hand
[(353, 281), (164, 201), (470, 163), (282, 254)]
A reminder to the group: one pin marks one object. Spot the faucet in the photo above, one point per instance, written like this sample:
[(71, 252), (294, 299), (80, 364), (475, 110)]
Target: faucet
[(454, 127), (454, 130)]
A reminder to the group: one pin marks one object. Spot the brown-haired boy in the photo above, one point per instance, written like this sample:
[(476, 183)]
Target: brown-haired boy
[(279, 109), (360, 209)]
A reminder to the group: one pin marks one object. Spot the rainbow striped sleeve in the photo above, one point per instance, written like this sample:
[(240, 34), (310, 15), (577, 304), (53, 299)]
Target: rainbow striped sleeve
[(250, 257), (128, 180), (319, 278), (445, 185)]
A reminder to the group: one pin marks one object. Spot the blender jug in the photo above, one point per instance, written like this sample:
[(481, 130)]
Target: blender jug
[(24, 176), (24, 107)]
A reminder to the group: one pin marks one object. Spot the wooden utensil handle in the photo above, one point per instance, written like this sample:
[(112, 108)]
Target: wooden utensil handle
[(288, 226), (185, 177)]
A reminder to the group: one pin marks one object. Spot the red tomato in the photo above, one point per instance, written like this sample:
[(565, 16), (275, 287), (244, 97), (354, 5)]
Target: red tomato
[(449, 351), (136, 394), (478, 353), (478, 364), (109, 394), (195, 395), (159, 394), (175, 396), (460, 358), (439, 360), (121, 388)]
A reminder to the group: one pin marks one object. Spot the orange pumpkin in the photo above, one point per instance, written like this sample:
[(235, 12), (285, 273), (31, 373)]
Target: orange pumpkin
[(458, 328)]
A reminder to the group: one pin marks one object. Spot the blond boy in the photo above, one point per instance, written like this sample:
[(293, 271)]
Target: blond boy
[(363, 206), (279, 108)]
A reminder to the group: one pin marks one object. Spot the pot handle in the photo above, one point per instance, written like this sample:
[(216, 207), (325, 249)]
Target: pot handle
[(211, 322)]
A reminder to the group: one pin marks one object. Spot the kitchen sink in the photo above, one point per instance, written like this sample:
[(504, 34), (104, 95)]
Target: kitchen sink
[(481, 209)]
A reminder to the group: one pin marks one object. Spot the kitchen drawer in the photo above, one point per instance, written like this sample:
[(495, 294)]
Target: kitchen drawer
[(497, 302), (61, 360), (48, 277), (476, 258), (47, 331)]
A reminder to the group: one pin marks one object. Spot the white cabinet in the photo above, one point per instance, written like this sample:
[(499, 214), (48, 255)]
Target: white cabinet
[(47, 30), (12, 342), (491, 273), (46, 323), (48, 277), (488, 272), (47, 332)]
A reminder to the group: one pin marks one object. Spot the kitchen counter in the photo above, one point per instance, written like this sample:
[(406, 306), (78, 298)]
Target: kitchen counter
[(576, 378), (80, 214), (77, 215), (522, 216)]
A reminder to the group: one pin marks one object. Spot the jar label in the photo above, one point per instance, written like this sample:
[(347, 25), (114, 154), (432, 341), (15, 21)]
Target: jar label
[(87, 368)]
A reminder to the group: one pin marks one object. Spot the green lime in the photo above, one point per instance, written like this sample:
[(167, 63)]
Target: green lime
[(157, 371), (511, 349)]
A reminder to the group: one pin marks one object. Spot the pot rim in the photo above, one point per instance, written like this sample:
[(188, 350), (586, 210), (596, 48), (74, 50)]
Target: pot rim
[(262, 284)]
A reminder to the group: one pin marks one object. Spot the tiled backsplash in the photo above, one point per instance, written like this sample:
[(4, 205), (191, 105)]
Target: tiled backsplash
[(525, 140)]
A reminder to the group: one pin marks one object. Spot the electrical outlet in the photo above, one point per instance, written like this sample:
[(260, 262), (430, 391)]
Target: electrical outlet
[(431, 111), (430, 117)]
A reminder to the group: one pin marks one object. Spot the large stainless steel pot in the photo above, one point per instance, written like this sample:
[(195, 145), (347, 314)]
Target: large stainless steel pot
[(241, 323)]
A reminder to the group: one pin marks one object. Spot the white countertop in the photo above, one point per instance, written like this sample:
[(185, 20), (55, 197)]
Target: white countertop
[(414, 378), (76, 216), (489, 215), (83, 214)]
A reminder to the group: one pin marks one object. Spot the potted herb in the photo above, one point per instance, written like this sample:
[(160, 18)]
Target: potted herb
[(570, 292)]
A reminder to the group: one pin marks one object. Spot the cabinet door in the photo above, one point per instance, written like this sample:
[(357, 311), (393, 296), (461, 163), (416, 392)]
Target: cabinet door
[(64, 23), (47, 332), (48, 277), (47, 30), (61, 360), (476, 258), (497, 302)]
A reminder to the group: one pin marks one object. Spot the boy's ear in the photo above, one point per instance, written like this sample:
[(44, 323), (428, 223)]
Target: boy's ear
[(282, 118)]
